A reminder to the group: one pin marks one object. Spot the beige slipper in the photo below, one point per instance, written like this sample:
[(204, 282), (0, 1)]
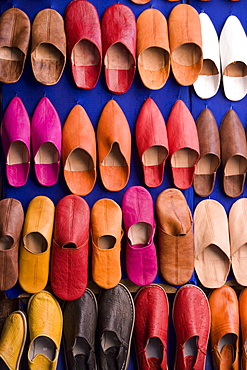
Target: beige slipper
[(238, 240), (212, 248)]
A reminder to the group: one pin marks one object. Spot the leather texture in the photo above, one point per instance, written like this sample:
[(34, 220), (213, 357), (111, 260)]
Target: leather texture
[(212, 250), (69, 259), (238, 239), (119, 47), (152, 142), (44, 320), (35, 244), (106, 231), (11, 222), (15, 131), (114, 147), (116, 318), (139, 223), (46, 132), (233, 154), (183, 142), (84, 42), (243, 326), (12, 341), (233, 54), (208, 81), (175, 237), (153, 51), (15, 31), (79, 152), (224, 321), (151, 322), (48, 49), (191, 320), (209, 142), (79, 321), (185, 44)]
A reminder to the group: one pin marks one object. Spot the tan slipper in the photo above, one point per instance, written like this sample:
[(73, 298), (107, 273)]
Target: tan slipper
[(238, 240), (212, 247), (185, 44), (153, 52)]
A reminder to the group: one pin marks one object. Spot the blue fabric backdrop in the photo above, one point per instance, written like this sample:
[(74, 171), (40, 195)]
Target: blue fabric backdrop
[(64, 95)]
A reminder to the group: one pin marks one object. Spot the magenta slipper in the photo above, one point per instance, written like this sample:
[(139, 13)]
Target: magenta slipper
[(139, 223), (46, 131), (16, 142)]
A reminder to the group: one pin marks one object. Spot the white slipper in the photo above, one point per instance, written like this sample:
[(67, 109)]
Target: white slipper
[(233, 53), (208, 82)]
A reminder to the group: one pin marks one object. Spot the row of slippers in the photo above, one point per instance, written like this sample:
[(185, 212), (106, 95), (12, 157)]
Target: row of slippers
[(193, 53), (179, 249), (100, 331), (195, 149)]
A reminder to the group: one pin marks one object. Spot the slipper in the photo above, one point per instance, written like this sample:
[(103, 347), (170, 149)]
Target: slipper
[(233, 53), (212, 248), (208, 81), (185, 44), (238, 240), (153, 52), (183, 145), (233, 154), (209, 140)]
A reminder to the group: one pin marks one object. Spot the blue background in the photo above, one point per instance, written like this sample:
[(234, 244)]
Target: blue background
[(64, 95)]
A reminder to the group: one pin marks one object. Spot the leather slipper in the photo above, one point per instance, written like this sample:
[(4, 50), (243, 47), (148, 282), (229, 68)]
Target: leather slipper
[(183, 145), (48, 52), (15, 131), (114, 147), (233, 53), (185, 44), (212, 249), (153, 52), (152, 142), (208, 81), (238, 240), (46, 132), (79, 152), (119, 47), (233, 154), (209, 141), (175, 236), (84, 42), (15, 34)]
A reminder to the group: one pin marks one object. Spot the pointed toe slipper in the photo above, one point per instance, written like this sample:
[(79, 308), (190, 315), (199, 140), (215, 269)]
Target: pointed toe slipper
[(152, 142), (16, 142), (208, 81), (233, 154), (70, 248), (114, 147), (238, 240), (119, 47), (183, 142), (48, 51), (79, 152), (84, 42), (209, 141), (185, 44), (233, 52), (153, 52), (212, 249), (46, 132), (15, 34)]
